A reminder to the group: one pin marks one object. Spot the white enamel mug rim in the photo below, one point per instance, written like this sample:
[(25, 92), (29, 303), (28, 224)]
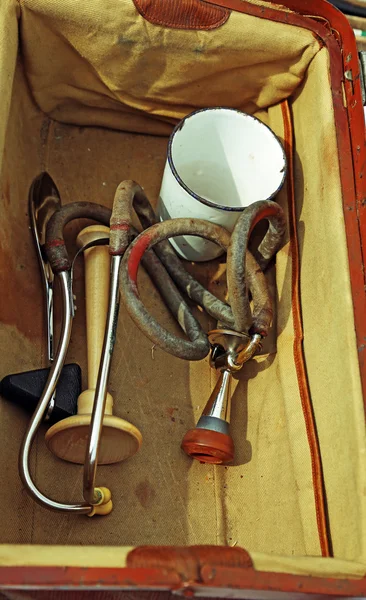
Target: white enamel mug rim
[(205, 201)]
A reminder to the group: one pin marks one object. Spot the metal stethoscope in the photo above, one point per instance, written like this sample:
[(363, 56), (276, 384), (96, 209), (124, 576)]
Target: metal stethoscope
[(240, 328)]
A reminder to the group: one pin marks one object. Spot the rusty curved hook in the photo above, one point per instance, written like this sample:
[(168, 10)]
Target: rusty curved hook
[(130, 195)]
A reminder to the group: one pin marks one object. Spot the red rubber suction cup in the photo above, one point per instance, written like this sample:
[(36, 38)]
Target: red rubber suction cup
[(208, 446)]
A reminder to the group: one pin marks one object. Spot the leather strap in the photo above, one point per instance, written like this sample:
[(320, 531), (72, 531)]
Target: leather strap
[(188, 561), (183, 14), (298, 351)]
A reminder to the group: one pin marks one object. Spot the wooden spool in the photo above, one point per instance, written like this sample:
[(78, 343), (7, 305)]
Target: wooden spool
[(68, 439)]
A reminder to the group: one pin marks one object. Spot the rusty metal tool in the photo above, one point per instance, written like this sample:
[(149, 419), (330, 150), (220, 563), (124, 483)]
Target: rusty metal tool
[(241, 328)]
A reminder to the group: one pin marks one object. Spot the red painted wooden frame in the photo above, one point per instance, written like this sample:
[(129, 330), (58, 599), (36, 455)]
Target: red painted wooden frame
[(335, 33), (213, 579)]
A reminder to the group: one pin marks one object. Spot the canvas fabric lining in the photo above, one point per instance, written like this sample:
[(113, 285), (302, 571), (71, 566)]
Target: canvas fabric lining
[(265, 502), (110, 67)]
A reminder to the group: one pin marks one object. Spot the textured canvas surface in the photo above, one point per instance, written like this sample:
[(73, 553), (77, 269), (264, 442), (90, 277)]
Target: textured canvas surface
[(265, 501), (102, 64)]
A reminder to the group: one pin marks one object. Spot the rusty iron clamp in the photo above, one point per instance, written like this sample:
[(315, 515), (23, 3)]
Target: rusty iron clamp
[(244, 270)]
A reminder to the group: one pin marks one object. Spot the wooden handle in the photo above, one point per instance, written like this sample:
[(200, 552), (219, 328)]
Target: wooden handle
[(97, 281), (68, 438)]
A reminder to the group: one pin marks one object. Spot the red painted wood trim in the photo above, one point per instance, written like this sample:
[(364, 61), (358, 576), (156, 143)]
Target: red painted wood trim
[(229, 578), (87, 578), (188, 560), (258, 580)]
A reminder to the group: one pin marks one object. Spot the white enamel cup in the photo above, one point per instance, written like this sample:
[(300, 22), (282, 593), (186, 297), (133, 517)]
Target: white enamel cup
[(219, 161)]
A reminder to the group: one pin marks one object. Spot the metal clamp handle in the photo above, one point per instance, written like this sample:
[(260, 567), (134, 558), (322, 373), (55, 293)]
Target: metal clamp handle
[(24, 456), (61, 265)]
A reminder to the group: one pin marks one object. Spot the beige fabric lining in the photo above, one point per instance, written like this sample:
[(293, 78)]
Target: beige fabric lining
[(8, 54), (333, 372), (265, 501), (111, 67)]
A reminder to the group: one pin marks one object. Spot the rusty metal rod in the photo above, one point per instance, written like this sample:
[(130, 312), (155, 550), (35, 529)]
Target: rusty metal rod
[(130, 195), (189, 350), (251, 281), (239, 279)]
